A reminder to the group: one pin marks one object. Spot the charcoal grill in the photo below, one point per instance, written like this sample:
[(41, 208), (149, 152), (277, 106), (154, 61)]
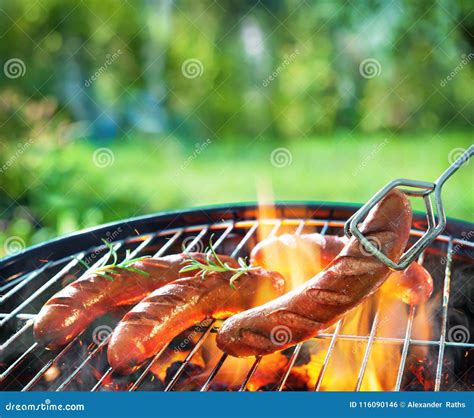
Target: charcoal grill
[(29, 278)]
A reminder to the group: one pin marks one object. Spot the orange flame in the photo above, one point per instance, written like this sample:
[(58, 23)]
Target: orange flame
[(298, 263), (343, 373)]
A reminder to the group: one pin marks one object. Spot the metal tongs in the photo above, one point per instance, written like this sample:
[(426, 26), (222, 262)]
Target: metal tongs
[(436, 224)]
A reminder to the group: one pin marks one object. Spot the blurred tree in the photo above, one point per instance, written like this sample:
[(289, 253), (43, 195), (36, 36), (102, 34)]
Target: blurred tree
[(271, 68)]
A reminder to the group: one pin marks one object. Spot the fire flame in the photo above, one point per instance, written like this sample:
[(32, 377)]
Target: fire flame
[(344, 367), (349, 354)]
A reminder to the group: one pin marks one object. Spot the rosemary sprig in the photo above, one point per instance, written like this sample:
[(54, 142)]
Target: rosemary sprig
[(213, 263), (105, 270)]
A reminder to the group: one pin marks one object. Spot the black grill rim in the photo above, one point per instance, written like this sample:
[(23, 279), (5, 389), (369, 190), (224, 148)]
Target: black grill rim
[(33, 257)]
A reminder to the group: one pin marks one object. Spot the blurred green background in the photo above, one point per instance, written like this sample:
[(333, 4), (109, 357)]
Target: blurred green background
[(116, 109)]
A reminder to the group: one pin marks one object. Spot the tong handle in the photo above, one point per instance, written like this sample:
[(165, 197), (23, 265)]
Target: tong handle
[(460, 161), (435, 226)]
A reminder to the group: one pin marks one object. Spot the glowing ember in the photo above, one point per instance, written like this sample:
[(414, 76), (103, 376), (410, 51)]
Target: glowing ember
[(52, 374)]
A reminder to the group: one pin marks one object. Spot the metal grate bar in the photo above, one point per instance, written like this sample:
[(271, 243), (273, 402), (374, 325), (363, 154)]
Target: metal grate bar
[(159, 253), (20, 315), (324, 367), (368, 349), (300, 227), (201, 340), (49, 283), (244, 240), (93, 353), (213, 373), (251, 372), (140, 247), (223, 236), (298, 347), (446, 291), (223, 357), (18, 361), (291, 363), (12, 282), (392, 340), (20, 277), (258, 359), (187, 360), (47, 365), (28, 324), (71, 343), (340, 224), (76, 371), (102, 379), (406, 342), (22, 282), (17, 334), (109, 371), (168, 243), (142, 376), (234, 253)]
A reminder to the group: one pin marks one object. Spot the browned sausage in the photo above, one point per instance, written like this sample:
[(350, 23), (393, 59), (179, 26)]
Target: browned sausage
[(300, 257), (315, 305), (170, 310), (74, 307)]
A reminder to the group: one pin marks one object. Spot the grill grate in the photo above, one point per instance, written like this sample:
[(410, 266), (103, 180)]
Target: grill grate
[(241, 234)]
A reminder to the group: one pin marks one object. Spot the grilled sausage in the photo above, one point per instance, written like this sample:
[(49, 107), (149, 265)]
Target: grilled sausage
[(316, 304), (300, 257), (173, 308), (74, 307)]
